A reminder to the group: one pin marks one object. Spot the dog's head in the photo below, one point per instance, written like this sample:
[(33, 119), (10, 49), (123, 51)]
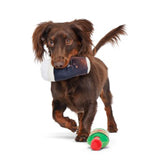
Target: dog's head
[(63, 40)]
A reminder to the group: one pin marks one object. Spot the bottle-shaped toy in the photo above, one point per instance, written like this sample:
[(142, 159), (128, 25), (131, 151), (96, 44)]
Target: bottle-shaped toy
[(98, 139), (77, 66)]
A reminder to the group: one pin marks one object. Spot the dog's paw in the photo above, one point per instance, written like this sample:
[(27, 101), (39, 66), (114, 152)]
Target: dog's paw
[(81, 138), (112, 127), (71, 124)]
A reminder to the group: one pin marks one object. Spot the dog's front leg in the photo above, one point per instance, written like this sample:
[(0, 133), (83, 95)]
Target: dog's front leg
[(57, 113), (85, 122)]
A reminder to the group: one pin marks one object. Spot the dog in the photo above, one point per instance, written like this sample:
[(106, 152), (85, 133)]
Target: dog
[(79, 94)]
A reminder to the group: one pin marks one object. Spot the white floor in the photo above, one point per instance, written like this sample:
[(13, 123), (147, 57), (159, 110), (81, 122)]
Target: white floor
[(37, 136)]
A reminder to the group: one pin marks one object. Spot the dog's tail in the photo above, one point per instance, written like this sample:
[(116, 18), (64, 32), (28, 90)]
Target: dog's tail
[(112, 37)]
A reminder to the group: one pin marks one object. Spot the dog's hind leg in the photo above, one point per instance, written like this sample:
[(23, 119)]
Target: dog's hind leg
[(57, 113), (106, 97)]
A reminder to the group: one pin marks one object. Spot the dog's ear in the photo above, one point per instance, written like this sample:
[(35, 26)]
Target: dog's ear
[(39, 38), (83, 29)]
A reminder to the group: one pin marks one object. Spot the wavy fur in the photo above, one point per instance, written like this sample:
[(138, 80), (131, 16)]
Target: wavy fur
[(111, 37)]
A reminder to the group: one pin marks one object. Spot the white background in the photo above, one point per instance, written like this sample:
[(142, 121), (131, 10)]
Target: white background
[(27, 129)]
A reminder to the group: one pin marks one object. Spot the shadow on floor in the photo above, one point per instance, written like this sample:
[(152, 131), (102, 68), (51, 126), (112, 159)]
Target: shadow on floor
[(61, 135)]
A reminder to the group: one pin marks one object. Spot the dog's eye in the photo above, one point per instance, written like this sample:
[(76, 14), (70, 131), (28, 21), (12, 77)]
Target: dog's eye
[(51, 43), (68, 41)]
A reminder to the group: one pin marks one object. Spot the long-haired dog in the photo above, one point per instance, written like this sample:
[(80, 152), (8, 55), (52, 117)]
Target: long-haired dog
[(79, 94)]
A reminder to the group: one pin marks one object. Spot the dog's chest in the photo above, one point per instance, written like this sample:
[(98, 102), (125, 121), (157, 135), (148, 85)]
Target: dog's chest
[(70, 93), (73, 97)]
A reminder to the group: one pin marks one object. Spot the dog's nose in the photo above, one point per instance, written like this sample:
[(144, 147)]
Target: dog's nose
[(59, 64)]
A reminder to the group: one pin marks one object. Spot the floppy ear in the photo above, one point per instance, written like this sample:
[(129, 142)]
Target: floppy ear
[(39, 38), (83, 29)]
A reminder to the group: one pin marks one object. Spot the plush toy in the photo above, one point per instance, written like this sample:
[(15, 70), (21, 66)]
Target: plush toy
[(76, 67), (98, 139)]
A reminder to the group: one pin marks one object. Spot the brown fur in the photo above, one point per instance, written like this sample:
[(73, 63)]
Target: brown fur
[(112, 37), (80, 94)]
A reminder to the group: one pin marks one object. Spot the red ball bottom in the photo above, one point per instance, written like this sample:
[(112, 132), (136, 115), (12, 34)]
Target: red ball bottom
[(96, 144)]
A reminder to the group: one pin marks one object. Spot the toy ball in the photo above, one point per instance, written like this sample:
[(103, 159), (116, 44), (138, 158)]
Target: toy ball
[(98, 139)]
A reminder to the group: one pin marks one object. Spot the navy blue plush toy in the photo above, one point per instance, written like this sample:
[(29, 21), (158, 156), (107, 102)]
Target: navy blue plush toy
[(76, 67)]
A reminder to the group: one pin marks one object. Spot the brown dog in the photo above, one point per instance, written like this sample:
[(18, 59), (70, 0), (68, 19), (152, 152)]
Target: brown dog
[(80, 94)]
